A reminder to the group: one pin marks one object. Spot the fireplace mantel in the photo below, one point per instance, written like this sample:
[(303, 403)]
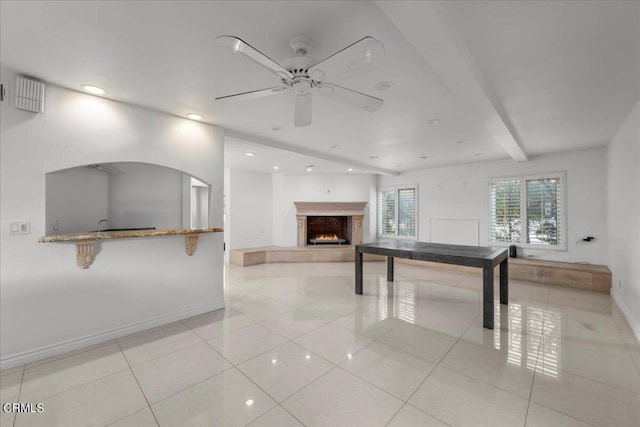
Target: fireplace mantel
[(330, 208), (355, 210)]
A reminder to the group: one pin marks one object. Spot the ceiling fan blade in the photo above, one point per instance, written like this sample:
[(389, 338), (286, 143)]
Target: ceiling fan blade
[(359, 53), (254, 94), (303, 110), (239, 46), (351, 97)]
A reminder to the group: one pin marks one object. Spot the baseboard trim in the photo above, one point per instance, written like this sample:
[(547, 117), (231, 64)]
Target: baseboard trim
[(627, 313), (89, 340)]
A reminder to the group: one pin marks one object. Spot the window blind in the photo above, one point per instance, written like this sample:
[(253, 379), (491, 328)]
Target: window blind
[(398, 211), (529, 210), (506, 224), (407, 212), (544, 210), (386, 212)]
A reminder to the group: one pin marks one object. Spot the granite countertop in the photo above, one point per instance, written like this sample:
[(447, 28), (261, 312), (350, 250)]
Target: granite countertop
[(89, 236)]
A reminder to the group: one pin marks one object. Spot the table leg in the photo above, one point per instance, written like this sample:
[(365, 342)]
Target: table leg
[(390, 269), (504, 282), (487, 296), (358, 272)]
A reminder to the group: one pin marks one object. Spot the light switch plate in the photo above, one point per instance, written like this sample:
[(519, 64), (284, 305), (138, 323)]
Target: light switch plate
[(19, 227)]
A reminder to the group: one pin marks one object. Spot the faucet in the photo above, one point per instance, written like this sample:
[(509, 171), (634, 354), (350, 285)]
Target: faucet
[(100, 222)]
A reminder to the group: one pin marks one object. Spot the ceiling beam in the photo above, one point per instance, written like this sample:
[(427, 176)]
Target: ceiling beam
[(304, 151), (427, 27)]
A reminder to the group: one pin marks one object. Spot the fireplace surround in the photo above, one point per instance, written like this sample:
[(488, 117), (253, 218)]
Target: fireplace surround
[(344, 219)]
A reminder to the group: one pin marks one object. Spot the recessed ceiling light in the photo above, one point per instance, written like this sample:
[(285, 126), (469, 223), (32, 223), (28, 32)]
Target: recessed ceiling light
[(249, 153), (249, 402), (309, 169), (433, 122), (350, 169), (479, 154), (383, 86), (94, 90), (276, 128), (194, 116), (373, 157), (276, 167), (336, 146), (460, 141)]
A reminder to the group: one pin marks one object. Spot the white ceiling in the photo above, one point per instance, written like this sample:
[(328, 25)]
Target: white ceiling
[(511, 79)]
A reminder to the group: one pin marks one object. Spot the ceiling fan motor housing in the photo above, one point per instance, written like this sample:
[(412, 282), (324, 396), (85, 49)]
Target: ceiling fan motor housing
[(299, 65)]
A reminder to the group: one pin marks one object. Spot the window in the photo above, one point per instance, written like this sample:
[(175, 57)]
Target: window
[(398, 212), (529, 211)]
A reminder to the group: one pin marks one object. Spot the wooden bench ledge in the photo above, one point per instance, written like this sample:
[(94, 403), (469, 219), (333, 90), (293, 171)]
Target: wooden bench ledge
[(573, 275)]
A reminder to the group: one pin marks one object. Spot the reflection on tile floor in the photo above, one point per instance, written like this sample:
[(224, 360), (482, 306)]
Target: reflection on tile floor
[(295, 346)]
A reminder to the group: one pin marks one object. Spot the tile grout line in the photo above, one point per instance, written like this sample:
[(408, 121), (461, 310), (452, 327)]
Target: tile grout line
[(566, 415), (535, 373), (278, 404), (15, 416), (430, 373), (633, 362), (139, 387), (535, 369), (604, 355), (68, 354), (83, 384), (164, 355)]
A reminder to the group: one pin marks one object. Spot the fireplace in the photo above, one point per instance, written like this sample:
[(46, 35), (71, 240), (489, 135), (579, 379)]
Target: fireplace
[(322, 223)]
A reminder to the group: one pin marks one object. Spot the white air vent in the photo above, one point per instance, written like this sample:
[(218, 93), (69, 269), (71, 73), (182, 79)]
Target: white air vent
[(29, 95)]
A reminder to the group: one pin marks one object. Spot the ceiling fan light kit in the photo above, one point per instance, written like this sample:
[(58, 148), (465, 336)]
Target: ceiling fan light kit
[(305, 75)]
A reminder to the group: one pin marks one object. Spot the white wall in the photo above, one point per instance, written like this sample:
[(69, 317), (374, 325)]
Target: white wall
[(250, 200), (623, 207), (145, 195), (461, 192), (77, 199), (310, 187), (47, 304)]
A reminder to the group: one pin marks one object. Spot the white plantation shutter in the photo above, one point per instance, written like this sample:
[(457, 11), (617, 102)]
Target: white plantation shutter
[(398, 212), (544, 211), (529, 210), (386, 212), (506, 224), (407, 212)]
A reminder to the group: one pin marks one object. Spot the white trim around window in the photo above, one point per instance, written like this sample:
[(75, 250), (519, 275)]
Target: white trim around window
[(397, 212), (516, 201)]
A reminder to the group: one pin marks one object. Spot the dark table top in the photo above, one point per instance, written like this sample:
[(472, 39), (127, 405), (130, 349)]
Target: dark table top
[(417, 250)]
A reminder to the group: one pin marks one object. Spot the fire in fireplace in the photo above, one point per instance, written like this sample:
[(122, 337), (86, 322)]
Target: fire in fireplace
[(327, 239)]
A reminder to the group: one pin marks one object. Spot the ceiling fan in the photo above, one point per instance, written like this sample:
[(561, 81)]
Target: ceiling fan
[(305, 75)]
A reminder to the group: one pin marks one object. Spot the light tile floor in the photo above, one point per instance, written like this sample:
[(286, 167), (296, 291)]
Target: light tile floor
[(295, 346)]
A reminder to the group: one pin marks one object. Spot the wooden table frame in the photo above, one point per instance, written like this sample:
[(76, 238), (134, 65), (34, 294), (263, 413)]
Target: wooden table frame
[(483, 257)]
